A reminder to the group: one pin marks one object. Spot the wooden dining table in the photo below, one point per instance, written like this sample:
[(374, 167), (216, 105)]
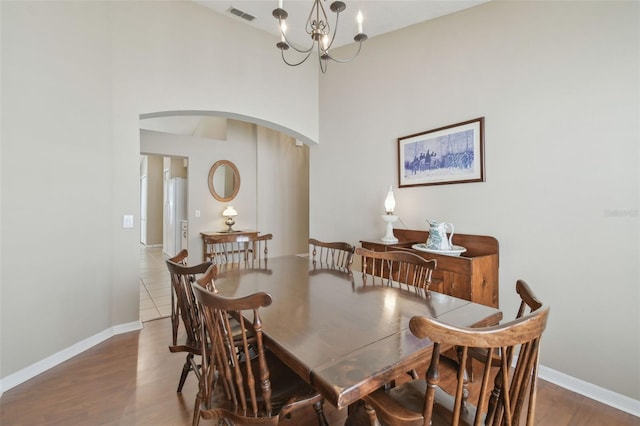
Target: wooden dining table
[(338, 331)]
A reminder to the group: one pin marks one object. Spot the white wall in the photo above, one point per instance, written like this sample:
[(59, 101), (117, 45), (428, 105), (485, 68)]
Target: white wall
[(283, 191), (153, 170), (57, 164), (76, 77), (558, 85)]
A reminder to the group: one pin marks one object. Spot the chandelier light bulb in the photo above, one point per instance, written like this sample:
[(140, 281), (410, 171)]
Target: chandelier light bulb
[(325, 42), (359, 20)]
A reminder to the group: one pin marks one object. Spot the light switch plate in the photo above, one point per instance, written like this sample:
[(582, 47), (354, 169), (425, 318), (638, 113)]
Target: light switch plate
[(127, 221), (197, 212)]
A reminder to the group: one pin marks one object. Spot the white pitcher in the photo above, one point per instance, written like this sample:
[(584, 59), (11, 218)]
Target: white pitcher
[(438, 236)]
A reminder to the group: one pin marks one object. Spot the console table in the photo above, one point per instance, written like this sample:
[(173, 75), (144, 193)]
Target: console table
[(471, 276), (210, 239)]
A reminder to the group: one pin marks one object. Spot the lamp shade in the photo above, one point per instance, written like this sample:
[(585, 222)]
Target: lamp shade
[(390, 202), (229, 212)]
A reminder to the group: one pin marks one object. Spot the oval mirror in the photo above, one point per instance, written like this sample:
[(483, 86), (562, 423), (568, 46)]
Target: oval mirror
[(224, 180)]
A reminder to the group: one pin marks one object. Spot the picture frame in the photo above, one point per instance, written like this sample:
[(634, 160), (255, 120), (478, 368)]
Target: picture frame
[(446, 155)]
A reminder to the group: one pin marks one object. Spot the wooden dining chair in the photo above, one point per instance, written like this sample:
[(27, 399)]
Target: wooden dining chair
[(422, 402), (238, 251), (394, 268), (226, 249), (185, 310), (240, 389), (258, 251), (181, 259), (528, 303), (332, 255)]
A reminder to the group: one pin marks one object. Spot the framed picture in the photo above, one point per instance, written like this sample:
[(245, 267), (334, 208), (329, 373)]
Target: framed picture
[(450, 154)]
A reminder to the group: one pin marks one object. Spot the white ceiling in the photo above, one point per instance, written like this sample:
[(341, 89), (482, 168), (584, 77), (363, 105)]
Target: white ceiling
[(379, 16)]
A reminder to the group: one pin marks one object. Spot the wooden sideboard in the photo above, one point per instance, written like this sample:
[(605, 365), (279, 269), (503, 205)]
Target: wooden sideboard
[(471, 276), (210, 238)]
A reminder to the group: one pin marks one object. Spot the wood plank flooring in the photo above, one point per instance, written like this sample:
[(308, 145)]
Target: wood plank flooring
[(131, 379)]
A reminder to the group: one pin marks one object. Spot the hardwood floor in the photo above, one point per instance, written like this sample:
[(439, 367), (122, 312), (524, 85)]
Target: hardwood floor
[(131, 379)]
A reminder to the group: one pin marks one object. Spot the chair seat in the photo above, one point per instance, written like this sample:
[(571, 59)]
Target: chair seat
[(286, 388), (408, 402), (191, 347), (284, 382), (481, 354)]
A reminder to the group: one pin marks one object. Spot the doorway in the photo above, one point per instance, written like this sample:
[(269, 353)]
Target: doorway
[(158, 177)]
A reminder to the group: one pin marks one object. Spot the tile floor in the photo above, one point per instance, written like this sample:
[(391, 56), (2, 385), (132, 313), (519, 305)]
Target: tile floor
[(155, 287)]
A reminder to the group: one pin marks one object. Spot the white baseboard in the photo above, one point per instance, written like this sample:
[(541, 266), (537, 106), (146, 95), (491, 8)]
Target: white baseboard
[(39, 367), (605, 396)]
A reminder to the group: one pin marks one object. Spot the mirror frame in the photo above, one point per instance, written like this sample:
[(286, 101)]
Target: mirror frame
[(236, 175)]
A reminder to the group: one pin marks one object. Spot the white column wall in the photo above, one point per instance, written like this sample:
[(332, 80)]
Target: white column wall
[(283, 192), (57, 167)]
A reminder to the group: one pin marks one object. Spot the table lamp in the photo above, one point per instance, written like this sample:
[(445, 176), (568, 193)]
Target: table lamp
[(389, 217), (229, 213)]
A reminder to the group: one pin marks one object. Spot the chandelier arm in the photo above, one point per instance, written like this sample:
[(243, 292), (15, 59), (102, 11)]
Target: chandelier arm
[(284, 36), (333, 37), (307, 27), (293, 46), (342, 61), (291, 64), (323, 64)]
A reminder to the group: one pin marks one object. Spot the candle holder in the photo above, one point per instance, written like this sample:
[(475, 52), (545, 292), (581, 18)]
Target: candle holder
[(390, 218), (389, 237)]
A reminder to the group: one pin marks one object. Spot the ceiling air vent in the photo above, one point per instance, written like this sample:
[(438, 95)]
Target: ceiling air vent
[(242, 14)]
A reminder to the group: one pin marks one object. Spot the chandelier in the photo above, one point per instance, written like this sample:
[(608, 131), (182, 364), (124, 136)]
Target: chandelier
[(322, 35)]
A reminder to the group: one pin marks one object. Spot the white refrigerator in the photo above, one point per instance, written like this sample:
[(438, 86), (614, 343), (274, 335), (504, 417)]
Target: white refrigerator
[(175, 211)]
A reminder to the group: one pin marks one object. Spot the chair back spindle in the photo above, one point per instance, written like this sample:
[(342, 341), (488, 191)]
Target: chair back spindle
[(394, 268), (332, 255), (238, 251)]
